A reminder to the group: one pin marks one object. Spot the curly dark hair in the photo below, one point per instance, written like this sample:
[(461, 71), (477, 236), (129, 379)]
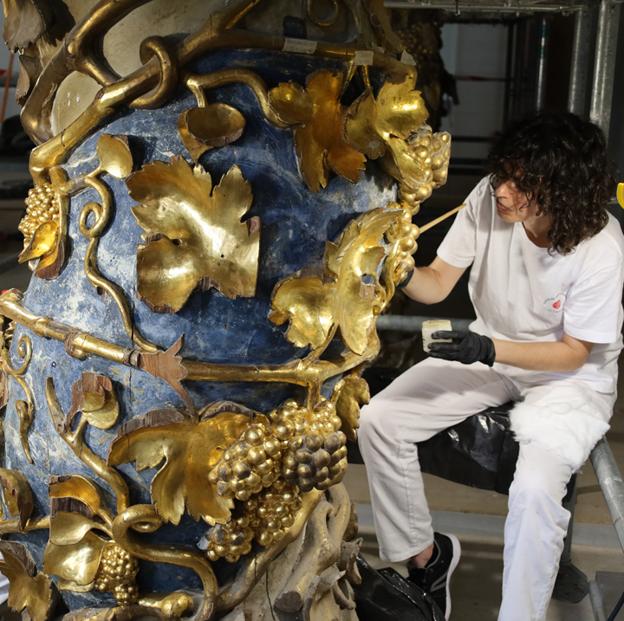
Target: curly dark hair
[(559, 161)]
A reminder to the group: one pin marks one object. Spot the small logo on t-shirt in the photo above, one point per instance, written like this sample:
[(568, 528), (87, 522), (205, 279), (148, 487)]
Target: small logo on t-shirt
[(555, 305)]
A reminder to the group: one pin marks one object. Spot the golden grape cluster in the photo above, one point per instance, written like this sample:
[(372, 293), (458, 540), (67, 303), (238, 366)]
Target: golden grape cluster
[(293, 450), (230, 541), (315, 455), (117, 573), (249, 465), (266, 517), (273, 511), (41, 206)]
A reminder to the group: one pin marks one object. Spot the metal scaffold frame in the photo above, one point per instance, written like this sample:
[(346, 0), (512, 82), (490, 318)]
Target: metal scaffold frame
[(595, 35)]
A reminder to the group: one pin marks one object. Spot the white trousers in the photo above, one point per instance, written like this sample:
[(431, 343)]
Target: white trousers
[(435, 395)]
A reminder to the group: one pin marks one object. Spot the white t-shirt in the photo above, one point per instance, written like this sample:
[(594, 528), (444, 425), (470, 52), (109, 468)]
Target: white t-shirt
[(522, 292)]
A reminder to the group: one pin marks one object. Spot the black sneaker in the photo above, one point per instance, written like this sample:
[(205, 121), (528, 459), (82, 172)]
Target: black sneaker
[(435, 578)]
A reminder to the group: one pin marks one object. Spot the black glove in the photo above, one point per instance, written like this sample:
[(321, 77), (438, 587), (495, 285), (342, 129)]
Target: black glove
[(466, 347)]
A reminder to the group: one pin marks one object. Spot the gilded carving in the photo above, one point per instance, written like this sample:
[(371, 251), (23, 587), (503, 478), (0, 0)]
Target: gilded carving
[(194, 234), (350, 393), (16, 496), (318, 115), (347, 295), (25, 408), (256, 479), (396, 111), (213, 125), (116, 160), (189, 448), (44, 227), (75, 439), (94, 396), (81, 552), (29, 590)]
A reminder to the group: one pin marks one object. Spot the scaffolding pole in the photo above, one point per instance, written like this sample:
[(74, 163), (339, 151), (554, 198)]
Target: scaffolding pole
[(604, 64), (579, 70)]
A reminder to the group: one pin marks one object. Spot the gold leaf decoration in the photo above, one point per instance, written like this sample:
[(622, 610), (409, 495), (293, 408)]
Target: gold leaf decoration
[(195, 234), (318, 118), (396, 112), (74, 564), (114, 155), (347, 296), (43, 227), (77, 539), (349, 394), (79, 488), (28, 590), (42, 243), (68, 529), (420, 164), (291, 103), (205, 128), (190, 449), (392, 126), (17, 495), (93, 395)]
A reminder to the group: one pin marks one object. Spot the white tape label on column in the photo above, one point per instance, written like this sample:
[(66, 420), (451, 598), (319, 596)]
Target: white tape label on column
[(363, 57), (299, 46), (407, 58)]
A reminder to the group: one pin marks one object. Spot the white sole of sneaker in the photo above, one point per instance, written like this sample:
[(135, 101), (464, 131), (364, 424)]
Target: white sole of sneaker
[(452, 566)]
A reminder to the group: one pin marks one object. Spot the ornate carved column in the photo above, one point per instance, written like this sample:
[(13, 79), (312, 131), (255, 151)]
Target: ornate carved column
[(222, 206)]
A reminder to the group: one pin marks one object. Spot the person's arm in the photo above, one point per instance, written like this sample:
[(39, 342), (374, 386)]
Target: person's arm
[(567, 354), (433, 283)]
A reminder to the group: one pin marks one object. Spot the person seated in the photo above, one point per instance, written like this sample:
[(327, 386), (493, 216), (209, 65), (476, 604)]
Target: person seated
[(547, 267)]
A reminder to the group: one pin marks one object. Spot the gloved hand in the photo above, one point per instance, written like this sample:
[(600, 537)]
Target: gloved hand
[(466, 347)]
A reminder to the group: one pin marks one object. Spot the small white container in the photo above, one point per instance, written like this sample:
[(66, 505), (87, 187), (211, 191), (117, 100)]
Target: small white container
[(431, 326)]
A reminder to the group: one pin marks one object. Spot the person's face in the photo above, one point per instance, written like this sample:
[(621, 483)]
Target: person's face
[(512, 205)]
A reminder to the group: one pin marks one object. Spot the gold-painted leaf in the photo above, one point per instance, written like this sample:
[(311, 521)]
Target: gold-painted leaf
[(309, 304), (398, 111), (291, 103), (70, 528), (190, 449), (17, 495), (28, 589), (215, 125), (347, 296), (42, 243), (114, 154), (94, 396), (322, 139), (196, 237), (349, 394), (75, 565), (317, 115), (77, 487), (359, 127)]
